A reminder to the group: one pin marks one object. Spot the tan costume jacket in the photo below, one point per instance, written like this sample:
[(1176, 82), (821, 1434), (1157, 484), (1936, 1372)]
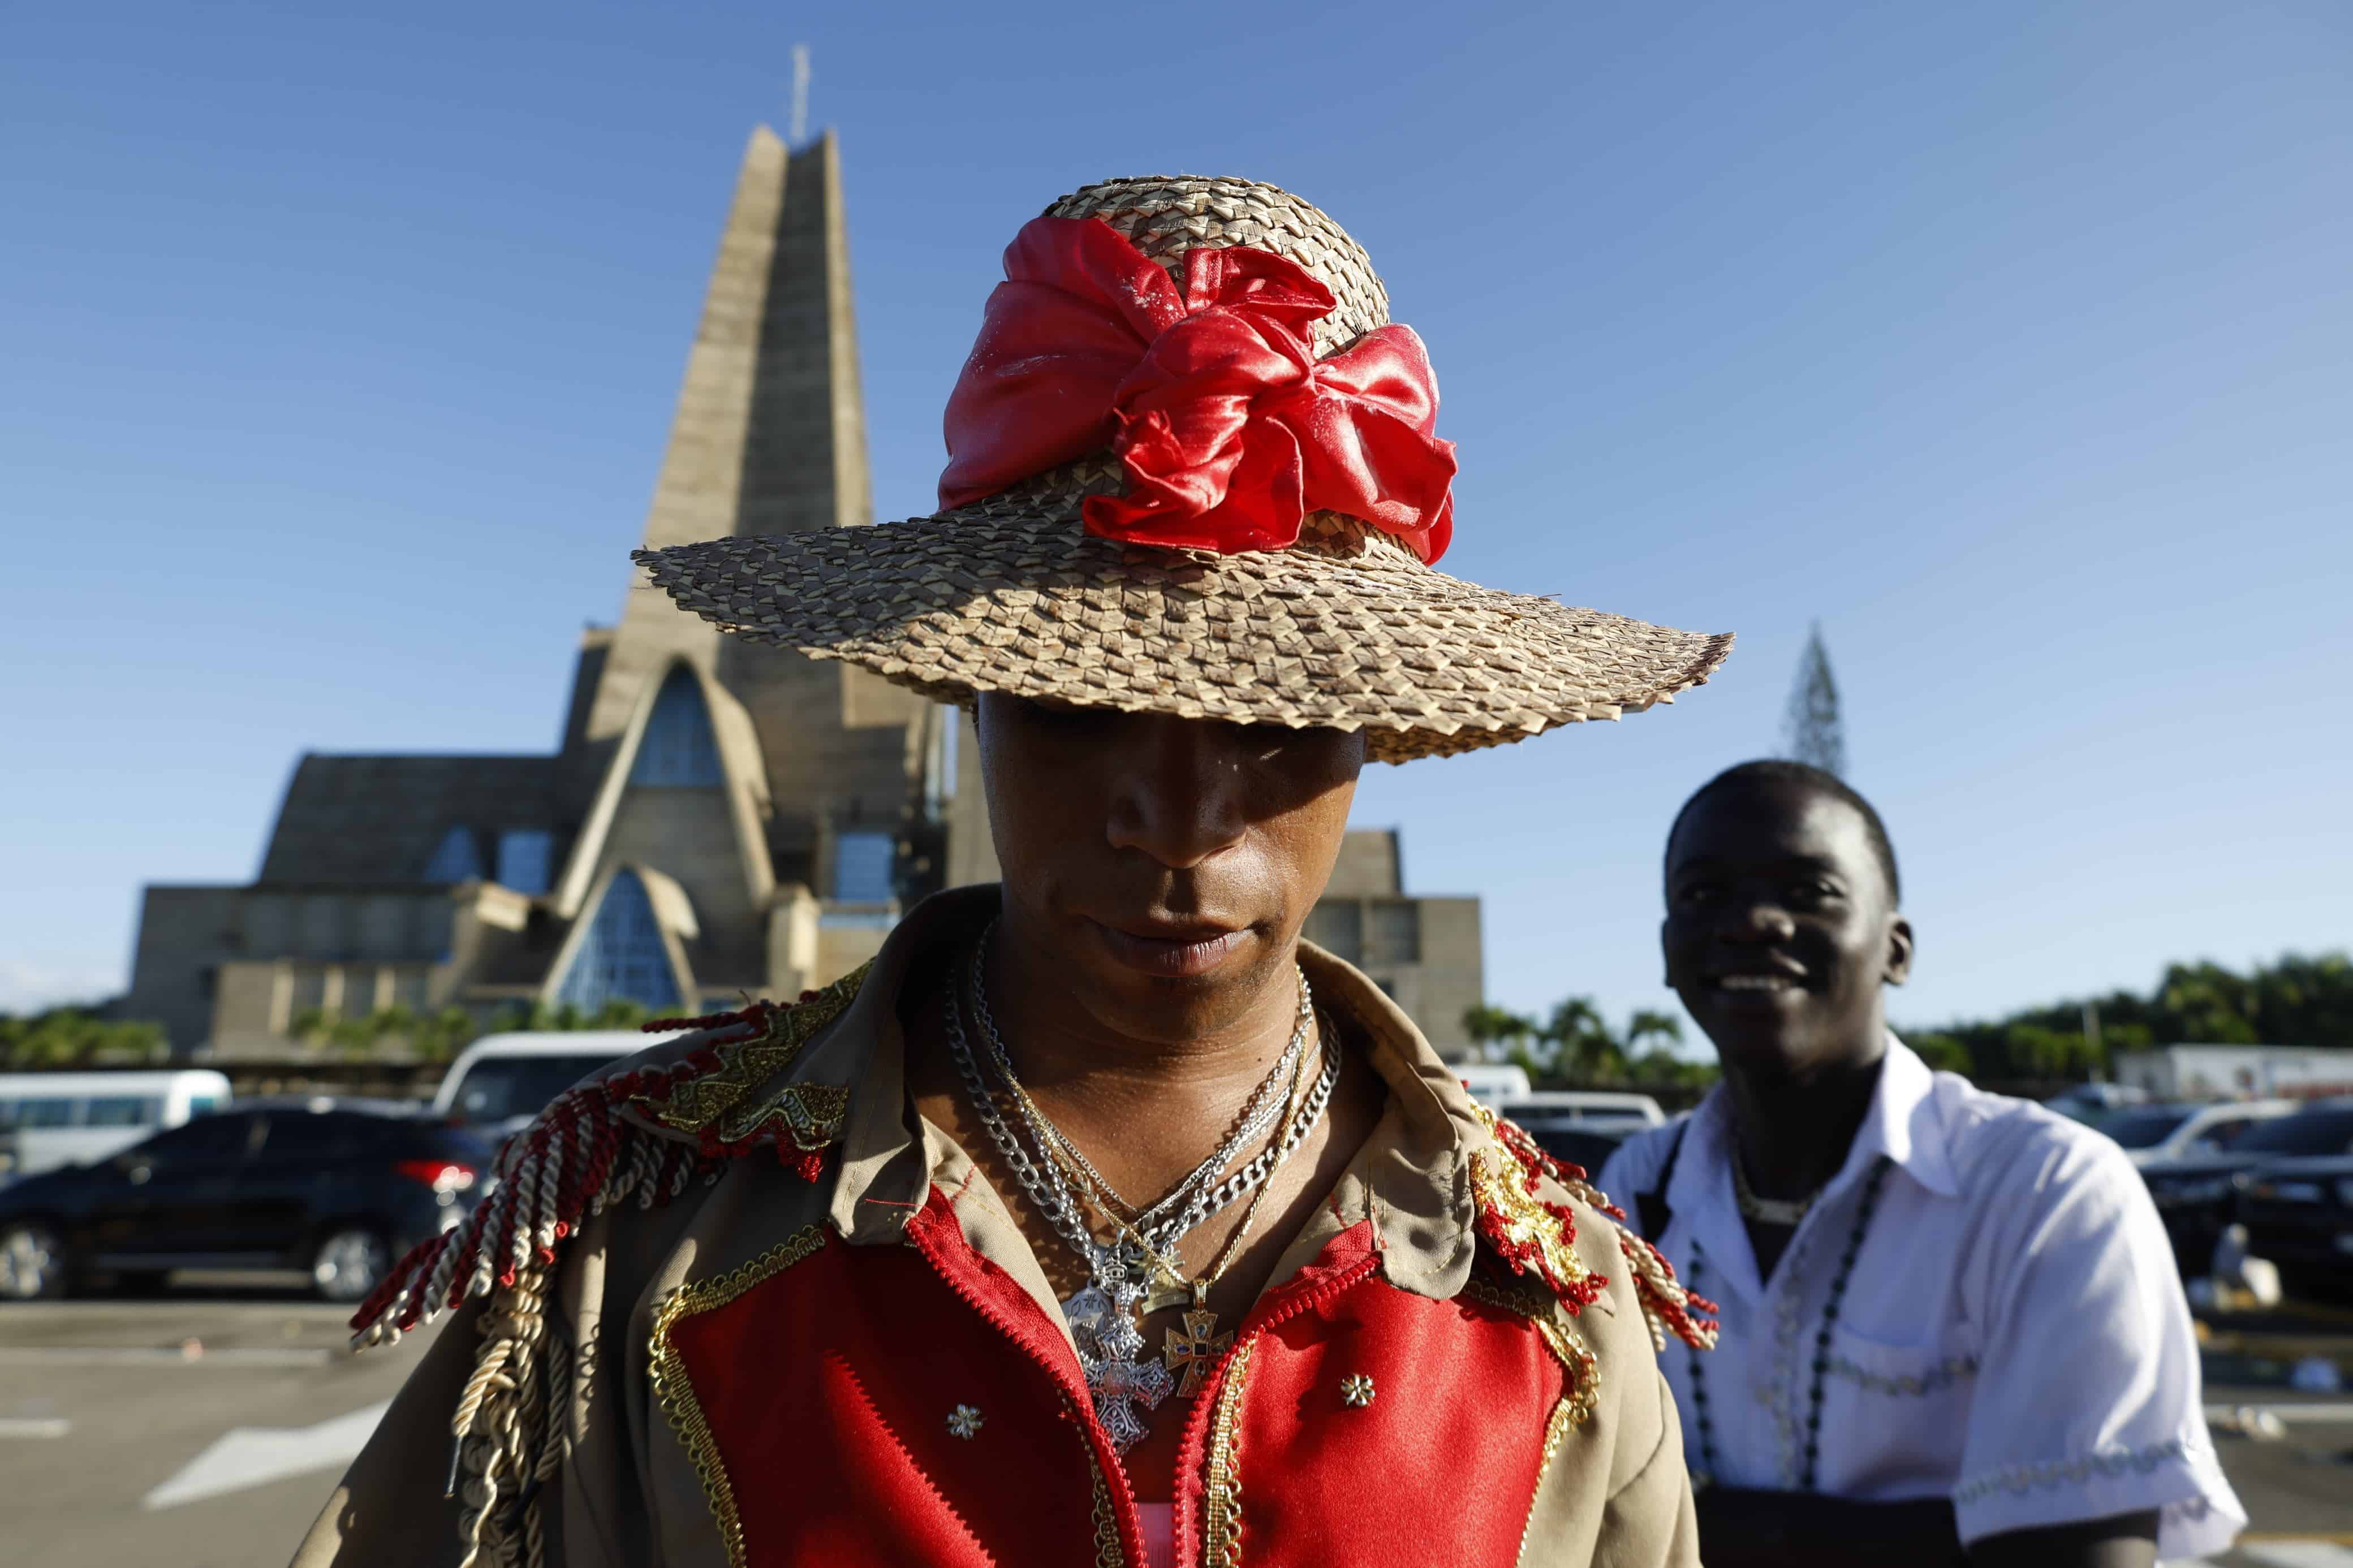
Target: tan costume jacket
[(761, 1313)]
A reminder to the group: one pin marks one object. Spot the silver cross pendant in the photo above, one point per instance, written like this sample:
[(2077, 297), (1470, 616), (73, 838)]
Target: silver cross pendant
[(1117, 1387)]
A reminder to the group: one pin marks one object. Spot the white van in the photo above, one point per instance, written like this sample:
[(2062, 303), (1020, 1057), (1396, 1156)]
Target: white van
[(502, 1081), (79, 1118), (1492, 1083), (1601, 1109)]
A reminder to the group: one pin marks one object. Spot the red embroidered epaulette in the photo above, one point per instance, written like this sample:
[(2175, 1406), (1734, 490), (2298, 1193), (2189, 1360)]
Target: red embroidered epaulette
[(1537, 1235), (596, 1145)]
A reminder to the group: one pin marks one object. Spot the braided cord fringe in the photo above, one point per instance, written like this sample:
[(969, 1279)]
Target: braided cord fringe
[(1668, 1307), (578, 1159)]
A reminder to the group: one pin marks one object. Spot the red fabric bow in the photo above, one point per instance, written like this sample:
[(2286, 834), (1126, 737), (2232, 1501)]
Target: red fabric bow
[(1231, 430)]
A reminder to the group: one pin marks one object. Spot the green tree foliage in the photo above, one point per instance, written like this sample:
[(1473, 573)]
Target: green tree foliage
[(2293, 1001), (1577, 1044), (74, 1037), (1498, 1031), (439, 1036)]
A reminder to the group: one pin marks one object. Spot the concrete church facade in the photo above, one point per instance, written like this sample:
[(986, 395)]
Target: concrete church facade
[(723, 820)]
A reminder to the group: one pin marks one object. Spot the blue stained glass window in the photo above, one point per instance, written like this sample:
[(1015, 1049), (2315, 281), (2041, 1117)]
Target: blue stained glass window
[(458, 858), (677, 747), (622, 957), (524, 859), (863, 863)]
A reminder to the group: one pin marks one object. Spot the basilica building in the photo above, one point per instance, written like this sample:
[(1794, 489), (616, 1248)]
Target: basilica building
[(723, 821)]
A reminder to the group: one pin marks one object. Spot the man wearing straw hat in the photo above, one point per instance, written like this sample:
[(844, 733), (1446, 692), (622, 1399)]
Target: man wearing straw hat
[(1099, 1219)]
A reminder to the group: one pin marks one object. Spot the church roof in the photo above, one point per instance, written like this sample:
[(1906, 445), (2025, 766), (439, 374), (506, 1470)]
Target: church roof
[(381, 819)]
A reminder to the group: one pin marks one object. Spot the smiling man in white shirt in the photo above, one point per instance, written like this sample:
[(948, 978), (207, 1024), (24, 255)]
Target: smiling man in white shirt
[(1952, 1330)]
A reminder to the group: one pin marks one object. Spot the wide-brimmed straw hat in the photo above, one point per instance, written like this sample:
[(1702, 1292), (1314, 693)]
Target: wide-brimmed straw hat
[(1205, 487)]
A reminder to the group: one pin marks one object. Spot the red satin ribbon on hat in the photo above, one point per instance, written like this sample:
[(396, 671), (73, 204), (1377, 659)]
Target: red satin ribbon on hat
[(1231, 430)]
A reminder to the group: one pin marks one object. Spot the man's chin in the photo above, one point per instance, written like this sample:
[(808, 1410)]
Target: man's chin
[(1759, 1048)]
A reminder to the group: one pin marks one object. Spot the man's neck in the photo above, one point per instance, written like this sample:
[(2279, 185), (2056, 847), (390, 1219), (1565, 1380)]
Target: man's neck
[(1145, 1109), (1793, 1130)]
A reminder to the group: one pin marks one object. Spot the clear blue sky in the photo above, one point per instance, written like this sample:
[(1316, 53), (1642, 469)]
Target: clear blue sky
[(2010, 341)]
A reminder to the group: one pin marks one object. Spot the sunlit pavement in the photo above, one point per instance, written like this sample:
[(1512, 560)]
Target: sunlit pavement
[(189, 1431), (202, 1430)]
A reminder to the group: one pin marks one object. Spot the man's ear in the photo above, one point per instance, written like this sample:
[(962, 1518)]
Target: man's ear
[(1666, 972), (1899, 951)]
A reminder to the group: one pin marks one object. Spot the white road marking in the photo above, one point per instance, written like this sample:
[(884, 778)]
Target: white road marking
[(2298, 1554), (131, 1355), (34, 1425), (2313, 1412), (247, 1456)]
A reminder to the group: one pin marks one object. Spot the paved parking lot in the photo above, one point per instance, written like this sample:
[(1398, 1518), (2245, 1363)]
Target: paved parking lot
[(184, 1433), (202, 1431)]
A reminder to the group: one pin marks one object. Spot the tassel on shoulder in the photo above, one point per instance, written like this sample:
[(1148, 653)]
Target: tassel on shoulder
[(647, 1134), (1535, 1234)]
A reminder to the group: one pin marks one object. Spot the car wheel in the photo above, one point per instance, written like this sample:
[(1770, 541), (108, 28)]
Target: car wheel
[(32, 1263), (348, 1264)]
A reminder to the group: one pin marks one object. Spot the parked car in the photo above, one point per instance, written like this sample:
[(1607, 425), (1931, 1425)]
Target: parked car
[(1492, 1083), (2093, 1102), (1583, 1108), (2299, 1215), (500, 1082), (1586, 1145), (2153, 1132), (2196, 1196), (57, 1119), (1583, 1126), (314, 1187)]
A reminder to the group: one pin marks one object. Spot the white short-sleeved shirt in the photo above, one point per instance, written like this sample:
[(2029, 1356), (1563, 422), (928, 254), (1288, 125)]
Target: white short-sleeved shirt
[(2012, 1336)]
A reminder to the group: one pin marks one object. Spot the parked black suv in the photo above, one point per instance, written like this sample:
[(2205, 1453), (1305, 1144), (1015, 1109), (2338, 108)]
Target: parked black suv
[(2196, 1196), (2299, 1213), (318, 1186)]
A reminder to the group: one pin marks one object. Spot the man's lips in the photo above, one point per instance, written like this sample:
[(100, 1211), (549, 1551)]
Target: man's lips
[(1171, 948)]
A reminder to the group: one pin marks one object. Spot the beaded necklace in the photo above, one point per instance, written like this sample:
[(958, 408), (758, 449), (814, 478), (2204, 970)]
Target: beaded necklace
[(1822, 1363)]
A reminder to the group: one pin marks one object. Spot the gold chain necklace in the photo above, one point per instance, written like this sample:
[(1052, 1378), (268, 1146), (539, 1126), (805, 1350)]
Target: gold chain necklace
[(1194, 1349)]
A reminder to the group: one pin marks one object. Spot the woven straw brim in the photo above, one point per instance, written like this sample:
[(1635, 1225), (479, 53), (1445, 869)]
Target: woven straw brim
[(1350, 630)]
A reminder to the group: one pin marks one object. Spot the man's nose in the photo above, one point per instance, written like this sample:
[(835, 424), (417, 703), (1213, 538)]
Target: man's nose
[(1180, 795), (1758, 920)]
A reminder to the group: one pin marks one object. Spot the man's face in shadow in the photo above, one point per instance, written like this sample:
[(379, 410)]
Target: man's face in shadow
[(1162, 865), (1781, 926)]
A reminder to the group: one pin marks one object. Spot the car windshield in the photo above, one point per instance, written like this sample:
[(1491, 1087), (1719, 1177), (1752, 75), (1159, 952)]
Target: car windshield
[(497, 1088), (2307, 1132), (2145, 1129)]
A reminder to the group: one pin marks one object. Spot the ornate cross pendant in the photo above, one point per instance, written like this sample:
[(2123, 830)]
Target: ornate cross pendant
[(1195, 1349), (1118, 1386)]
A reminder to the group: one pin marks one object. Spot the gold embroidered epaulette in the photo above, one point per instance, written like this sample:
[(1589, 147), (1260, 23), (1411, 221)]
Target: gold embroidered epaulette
[(648, 1133), (1534, 1235), (718, 1102)]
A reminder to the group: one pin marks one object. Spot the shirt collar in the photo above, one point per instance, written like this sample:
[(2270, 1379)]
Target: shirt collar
[(1904, 1122), (1411, 1179)]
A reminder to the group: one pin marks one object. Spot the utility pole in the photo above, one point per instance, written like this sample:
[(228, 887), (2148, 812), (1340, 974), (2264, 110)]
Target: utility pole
[(1812, 731)]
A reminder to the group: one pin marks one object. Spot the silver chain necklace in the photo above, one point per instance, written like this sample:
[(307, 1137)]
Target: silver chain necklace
[(1105, 1317), (1192, 1201)]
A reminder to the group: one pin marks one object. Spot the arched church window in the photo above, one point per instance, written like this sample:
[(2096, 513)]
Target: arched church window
[(677, 747), (622, 957), (456, 859), (525, 856)]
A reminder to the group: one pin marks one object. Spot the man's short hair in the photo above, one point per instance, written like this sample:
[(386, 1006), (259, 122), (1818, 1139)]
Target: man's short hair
[(1805, 776)]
